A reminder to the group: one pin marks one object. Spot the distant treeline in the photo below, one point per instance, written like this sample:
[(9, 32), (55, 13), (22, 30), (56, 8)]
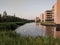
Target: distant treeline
[(8, 22), (8, 18)]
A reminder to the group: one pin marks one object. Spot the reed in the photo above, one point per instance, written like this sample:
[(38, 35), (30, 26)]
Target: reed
[(12, 38)]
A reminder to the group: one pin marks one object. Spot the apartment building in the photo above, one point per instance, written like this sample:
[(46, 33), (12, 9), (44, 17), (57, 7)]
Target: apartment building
[(56, 11), (42, 17), (37, 19), (47, 16), (52, 15)]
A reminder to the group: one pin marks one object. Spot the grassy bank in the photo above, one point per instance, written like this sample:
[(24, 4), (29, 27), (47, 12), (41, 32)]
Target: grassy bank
[(11, 38), (48, 23), (10, 25)]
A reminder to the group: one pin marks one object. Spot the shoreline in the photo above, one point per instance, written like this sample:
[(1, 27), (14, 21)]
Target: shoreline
[(11, 25), (48, 23)]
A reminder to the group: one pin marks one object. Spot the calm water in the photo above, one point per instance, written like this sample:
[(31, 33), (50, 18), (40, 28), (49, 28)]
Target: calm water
[(33, 29)]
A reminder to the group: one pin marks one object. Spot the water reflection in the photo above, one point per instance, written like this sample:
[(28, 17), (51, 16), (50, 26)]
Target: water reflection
[(49, 31), (57, 32), (35, 29), (53, 31)]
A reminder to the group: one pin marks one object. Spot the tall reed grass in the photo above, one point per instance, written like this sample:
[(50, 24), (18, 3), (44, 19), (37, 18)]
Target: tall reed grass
[(12, 38)]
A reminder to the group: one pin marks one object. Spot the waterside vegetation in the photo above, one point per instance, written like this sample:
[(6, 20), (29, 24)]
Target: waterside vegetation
[(48, 23), (8, 22), (12, 38)]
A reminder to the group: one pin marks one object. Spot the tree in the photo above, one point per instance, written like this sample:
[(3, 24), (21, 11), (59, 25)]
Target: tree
[(0, 17), (4, 16), (4, 13), (14, 14)]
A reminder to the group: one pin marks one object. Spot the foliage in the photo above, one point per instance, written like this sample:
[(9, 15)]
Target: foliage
[(8, 22), (9, 18), (10, 26), (12, 38)]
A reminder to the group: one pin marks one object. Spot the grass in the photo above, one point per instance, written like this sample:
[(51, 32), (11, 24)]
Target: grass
[(10, 25), (48, 23), (9, 37), (12, 38)]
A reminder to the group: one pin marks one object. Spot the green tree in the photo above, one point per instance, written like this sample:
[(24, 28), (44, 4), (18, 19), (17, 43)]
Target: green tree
[(4, 13), (14, 15), (0, 17)]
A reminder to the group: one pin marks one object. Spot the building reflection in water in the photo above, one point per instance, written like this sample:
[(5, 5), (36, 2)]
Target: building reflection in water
[(52, 31), (37, 23), (49, 31)]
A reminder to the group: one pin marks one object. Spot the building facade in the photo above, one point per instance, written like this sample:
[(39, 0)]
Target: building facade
[(52, 15), (42, 17), (49, 16), (56, 10), (37, 19)]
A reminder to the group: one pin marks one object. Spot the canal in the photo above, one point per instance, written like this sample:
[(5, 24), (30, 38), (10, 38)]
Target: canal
[(35, 29)]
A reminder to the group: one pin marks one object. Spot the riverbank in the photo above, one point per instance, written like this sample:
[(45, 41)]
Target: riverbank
[(48, 23), (12, 38), (8, 22), (11, 25)]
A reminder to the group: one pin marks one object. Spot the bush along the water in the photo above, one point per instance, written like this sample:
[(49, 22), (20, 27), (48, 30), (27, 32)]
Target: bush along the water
[(12, 38), (8, 26)]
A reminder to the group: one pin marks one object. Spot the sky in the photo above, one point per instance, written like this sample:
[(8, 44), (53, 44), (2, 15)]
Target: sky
[(27, 9)]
